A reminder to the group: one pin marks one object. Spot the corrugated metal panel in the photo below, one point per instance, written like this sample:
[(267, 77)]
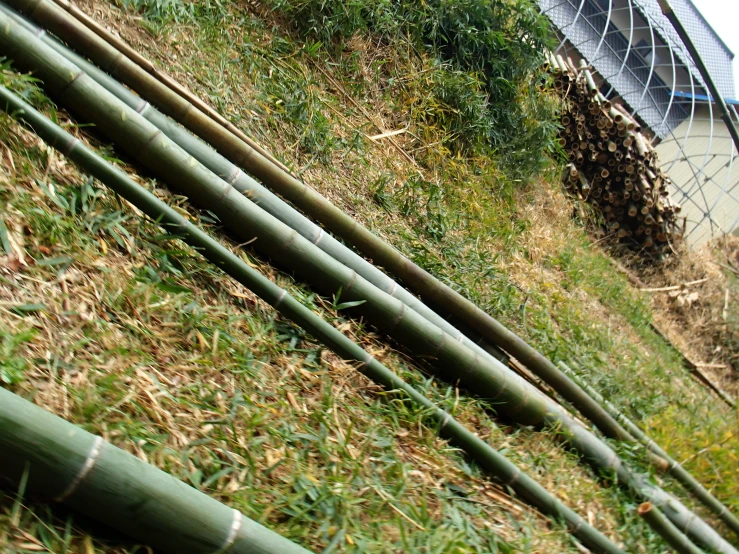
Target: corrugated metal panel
[(712, 49)]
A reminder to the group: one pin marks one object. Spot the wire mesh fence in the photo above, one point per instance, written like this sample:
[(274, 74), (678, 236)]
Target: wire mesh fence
[(638, 60)]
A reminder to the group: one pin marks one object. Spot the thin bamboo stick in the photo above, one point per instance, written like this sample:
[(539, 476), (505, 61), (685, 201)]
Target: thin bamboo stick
[(59, 460), (146, 143), (291, 308), (667, 530)]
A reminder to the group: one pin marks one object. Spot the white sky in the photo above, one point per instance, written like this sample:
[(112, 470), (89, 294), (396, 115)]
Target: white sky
[(723, 15)]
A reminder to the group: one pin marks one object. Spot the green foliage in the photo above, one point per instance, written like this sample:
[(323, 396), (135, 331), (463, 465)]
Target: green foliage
[(487, 86), (160, 11), (424, 203), (455, 112), (332, 21), (294, 102), (713, 453), (12, 363)]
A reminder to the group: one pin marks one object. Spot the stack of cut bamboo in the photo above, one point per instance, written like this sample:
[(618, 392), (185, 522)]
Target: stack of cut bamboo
[(612, 164)]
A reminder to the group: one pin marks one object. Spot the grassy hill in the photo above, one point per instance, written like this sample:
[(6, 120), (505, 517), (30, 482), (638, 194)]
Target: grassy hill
[(131, 335)]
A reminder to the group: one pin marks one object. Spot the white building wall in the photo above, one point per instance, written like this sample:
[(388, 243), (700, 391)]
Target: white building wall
[(701, 161)]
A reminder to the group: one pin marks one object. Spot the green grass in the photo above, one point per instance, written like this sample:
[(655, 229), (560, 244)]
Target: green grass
[(141, 341)]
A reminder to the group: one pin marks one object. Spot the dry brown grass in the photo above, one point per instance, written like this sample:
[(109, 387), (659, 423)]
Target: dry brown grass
[(702, 319)]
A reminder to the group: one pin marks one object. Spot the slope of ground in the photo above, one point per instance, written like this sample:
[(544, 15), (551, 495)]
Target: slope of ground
[(131, 335)]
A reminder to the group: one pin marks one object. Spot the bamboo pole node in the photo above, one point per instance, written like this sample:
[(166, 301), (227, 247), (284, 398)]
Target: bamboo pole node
[(367, 361), (513, 478), (69, 146), (232, 532), (92, 458), (144, 107), (318, 238), (280, 298), (235, 175)]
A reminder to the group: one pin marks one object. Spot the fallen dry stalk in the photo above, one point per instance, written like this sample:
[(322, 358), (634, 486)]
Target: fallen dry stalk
[(676, 287)]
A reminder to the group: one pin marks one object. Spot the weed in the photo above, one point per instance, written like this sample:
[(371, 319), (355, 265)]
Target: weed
[(487, 91)]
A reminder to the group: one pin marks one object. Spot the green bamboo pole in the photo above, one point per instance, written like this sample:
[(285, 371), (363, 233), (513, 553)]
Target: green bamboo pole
[(263, 197), (267, 200), (674, 468), (260, 195), (512, 395), (114, 62), (59, 460), (667, 530), (162, 77), (285, 213), (446, 425)]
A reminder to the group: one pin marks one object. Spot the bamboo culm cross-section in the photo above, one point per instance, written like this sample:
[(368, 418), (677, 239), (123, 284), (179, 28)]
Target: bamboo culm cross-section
[(667, 530), (512, 395), (447, 427), (74, 33), (46, 455)]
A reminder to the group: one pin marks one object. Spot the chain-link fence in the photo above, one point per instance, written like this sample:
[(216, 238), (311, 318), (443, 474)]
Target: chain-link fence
[(640, 61)]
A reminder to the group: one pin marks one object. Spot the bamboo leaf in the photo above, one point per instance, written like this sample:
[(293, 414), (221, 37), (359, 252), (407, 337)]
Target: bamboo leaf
[(346, 305), (60, 260), (174, 288), (23, 309)]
